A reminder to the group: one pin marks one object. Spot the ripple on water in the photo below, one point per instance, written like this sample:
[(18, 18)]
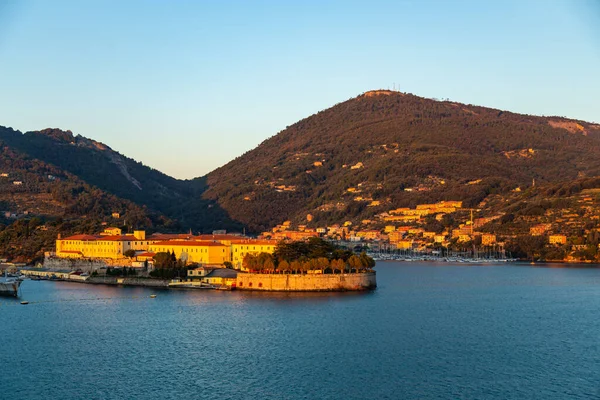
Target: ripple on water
[(447, 332)]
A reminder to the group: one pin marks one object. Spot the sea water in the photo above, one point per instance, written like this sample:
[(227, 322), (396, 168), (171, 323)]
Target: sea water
[(429, 331)]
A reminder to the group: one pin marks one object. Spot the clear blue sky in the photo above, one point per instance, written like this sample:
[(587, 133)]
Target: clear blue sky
[(186, 86)]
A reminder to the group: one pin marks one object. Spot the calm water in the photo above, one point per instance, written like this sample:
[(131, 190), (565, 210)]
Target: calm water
[(428, 331)]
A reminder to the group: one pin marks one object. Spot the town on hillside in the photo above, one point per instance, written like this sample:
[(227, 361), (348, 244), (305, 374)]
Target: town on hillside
[(553, 230)]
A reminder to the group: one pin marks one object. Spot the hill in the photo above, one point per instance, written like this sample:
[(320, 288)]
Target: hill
[(387, 149), (358, 159), (39, 201), (99, 166)]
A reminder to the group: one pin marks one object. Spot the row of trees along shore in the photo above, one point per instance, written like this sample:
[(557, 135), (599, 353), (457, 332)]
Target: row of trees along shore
[(301, 257)]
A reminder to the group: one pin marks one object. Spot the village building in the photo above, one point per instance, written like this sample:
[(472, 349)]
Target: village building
[(488, 239), (539, 229), (557, 239)]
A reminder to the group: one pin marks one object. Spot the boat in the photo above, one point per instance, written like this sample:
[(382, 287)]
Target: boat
[(9, 286), (152, 296)]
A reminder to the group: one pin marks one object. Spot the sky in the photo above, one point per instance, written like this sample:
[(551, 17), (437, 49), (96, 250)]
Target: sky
[(186, 86)]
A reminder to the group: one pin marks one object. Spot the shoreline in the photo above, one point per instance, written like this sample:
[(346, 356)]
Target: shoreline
[(358, 282)]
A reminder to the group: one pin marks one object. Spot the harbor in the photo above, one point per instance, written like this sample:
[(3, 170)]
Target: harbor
[(474, 256)]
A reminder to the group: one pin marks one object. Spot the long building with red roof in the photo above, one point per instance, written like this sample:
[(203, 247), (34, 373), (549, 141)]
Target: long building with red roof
[(200, 249)]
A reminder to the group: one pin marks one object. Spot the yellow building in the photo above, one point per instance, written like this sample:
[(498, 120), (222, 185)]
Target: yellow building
[(202, 249), (401, 218), (395, 236), (111, 231), (439, 238), (539, 229), (488, 239), (240, 248), (189, 251), (101, 246), (369, 234), (404, 244), (463, 237), (557, 239)]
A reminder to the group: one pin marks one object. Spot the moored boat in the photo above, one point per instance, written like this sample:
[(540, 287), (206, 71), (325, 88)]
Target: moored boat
[(9, 286)]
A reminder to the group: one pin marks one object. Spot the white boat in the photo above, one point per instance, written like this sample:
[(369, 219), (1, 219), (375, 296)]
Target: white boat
[(9, 286)]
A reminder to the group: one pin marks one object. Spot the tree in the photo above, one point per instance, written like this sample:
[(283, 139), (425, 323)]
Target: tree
[(338, 264), (163, 260), (284, 266), (355, 263), (296, 266), (367, 262), (269, 265), (249, 262), (129, 253), (322, 263), (265, 261)]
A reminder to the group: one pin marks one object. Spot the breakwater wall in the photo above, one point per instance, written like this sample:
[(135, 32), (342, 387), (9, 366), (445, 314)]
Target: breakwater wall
[(88, 266), (160, 283), (307, 283)]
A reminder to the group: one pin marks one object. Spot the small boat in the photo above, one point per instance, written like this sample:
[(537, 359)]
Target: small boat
[(24, 302), (9, 286), (152, 296)]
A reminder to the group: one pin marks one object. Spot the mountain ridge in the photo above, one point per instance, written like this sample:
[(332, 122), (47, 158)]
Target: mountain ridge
[(351, 162)]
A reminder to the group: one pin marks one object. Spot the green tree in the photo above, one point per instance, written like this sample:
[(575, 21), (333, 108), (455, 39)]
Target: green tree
[(284, 266), (249, 262), (355, 263), (296, 266), (129, 253), (163, 260)]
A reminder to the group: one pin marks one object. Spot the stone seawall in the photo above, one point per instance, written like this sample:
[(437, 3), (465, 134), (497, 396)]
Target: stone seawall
[(307, 283), (88, 266), (162, 283)]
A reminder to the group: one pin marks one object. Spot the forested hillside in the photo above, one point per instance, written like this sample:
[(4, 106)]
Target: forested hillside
[(387, 149), (98, 165), (38, 201)]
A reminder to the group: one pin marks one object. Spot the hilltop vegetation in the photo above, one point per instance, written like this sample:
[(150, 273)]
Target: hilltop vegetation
[(388, 149), (99, 166), (39, 200)]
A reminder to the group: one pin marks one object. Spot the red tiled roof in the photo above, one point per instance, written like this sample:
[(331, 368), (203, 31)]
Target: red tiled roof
[(256, 242), (146, 254), (81, 237), (169, 236), (117, 238), (103, 238), (219, 237), (187, 243)]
